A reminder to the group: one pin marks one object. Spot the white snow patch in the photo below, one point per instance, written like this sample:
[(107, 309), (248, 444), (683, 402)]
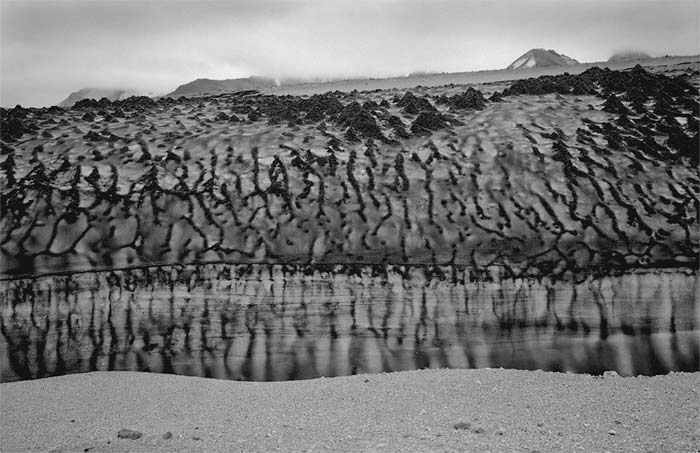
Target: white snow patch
[(519, 62)]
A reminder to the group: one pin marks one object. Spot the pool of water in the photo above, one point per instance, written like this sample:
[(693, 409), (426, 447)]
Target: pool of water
[(266, 323)]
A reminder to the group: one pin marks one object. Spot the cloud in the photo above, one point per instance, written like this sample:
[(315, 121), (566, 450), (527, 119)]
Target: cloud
[(50, 48)]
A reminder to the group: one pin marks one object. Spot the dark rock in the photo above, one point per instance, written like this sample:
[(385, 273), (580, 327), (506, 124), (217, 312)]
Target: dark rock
[(334, 143), (496, 97), (366, 125), (351, 135), (638, 107), (167, 435), (360, 121), (470, 99), (20, 112), (86, 103), (129, 434), (242, 109), (614, 105), (685, 146), (413, 105), (93, 136), (172, 157), (624, 121), (582, 86), (400, 132), (663, 107), (428, 122), (349, 112), (279, 110), (635, 94), (395, 121), (315, 114), (13, 128), (138, 103)]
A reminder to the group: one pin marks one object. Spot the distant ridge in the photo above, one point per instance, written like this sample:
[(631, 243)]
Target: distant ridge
[(539, 58), (201, 87), (97, 94), (629, 56)]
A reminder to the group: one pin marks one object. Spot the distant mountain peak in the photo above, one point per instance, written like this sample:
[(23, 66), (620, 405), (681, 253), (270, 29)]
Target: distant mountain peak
[(541, 58)]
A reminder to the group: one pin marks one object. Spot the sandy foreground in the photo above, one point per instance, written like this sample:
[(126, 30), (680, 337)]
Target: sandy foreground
[(429, 410)]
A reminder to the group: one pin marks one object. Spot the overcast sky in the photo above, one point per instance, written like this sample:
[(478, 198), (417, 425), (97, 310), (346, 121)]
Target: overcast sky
[(51, 48)]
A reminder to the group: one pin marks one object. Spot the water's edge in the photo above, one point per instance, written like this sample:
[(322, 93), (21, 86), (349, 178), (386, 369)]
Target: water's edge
[(267, 323)]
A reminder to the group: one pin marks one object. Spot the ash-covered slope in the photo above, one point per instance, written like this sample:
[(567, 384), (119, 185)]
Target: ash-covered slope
[(599, 174), (540, 58)]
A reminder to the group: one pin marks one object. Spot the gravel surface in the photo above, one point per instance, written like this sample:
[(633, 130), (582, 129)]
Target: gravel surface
[(429, 410)]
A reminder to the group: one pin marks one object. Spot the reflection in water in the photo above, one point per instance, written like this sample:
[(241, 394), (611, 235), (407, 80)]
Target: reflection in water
[(264, 323)]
